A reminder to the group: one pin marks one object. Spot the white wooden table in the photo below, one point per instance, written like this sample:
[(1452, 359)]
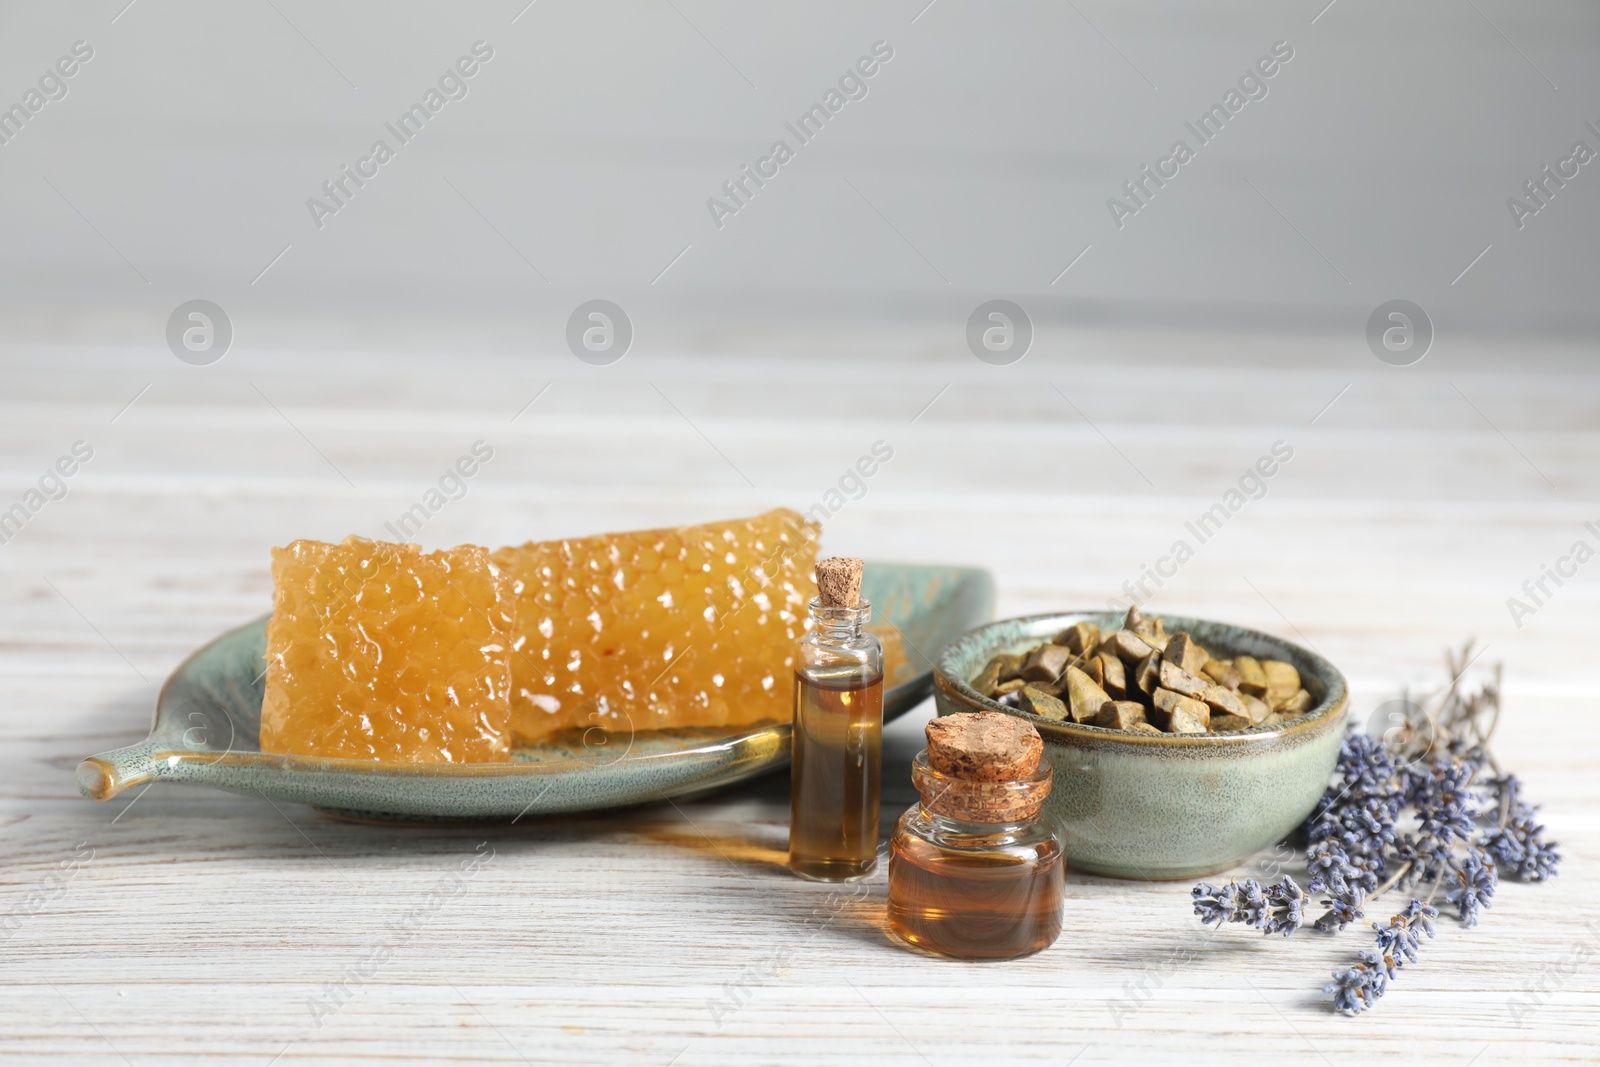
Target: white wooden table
[(180, 925)]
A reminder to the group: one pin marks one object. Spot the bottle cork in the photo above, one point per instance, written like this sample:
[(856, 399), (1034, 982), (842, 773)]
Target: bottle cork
[(982, 767), (839, 581), (983, 746)]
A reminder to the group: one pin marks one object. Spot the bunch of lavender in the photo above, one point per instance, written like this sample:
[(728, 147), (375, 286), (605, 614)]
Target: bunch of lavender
[(1461, 834)]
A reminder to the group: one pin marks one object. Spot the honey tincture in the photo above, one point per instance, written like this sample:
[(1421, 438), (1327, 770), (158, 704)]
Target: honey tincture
[(975, 871), (836, 771)]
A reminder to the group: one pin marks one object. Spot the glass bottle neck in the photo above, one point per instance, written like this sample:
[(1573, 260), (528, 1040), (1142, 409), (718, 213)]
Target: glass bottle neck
[(945, 826), (839, 626)]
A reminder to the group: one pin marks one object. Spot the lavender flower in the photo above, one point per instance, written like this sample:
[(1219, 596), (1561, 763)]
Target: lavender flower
[(1364, 763), (1476, 880), (1324, 803), (1473, 757), (1215, 905), (1280, 908), (1367, 825), (1519, 846), (1398, 942), (1539, 860), (1355, 989), (1288, 902), (1424, 859), (1446, 812), (1336, 871), (1358, 814), (1233, 903), (1340, 913)]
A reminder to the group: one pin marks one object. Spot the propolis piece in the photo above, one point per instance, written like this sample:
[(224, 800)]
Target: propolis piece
[(380, 651), (1280, 675), (1179, 680), (1253, 680), (1041, 702), (1080, 637), (1083, 696), (1223, 673), (1185, 653), (1047, 664), (1298, 704), (1255, 708), (1147, 676), (688, 626), (1224, 701), (1120, 714), (999, 669), (987, 679), (1113, 676), (1127, 645), (1179, 714)]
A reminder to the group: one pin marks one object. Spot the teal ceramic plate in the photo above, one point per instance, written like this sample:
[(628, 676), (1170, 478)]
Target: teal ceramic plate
[(208, 718)]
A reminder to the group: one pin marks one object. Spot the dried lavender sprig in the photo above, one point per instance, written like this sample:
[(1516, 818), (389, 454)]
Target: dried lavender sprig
[(1355, 989), (1517, 844), (1279, 909)]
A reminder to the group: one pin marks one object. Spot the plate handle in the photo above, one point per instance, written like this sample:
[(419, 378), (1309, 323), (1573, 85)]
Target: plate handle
[(103, 776)]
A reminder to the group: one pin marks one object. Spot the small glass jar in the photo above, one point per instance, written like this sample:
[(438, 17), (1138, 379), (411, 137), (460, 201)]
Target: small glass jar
[(974, 872), (837, 753)]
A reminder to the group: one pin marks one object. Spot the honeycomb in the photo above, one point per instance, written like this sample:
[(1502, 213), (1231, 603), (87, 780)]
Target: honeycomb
[(382, 651), (691, 626), (896, 667)]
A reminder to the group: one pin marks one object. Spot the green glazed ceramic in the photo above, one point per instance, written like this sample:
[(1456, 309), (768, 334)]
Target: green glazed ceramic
[(208, 719), (1171, 805)]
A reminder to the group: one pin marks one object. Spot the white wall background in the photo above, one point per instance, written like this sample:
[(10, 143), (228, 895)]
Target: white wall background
[(179, 164)]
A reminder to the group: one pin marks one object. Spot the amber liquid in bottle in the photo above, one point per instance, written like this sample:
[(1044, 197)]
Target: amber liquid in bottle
[(979, 903), (836, 776)]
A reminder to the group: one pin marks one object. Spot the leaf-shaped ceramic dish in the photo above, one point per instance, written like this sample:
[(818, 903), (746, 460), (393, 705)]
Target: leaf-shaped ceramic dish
[(208, 720)]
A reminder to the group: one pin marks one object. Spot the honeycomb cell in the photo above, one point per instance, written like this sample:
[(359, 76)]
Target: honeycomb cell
[(382, 651), (644, 624)]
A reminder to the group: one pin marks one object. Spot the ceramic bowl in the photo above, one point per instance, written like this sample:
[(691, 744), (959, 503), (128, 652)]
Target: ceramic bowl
[(1171, 805)]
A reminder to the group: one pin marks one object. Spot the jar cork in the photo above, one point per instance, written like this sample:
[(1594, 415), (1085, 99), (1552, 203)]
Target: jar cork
[(982, 767)]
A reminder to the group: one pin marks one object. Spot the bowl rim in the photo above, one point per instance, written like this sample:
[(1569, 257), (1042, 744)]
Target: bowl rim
[(1331, 705)]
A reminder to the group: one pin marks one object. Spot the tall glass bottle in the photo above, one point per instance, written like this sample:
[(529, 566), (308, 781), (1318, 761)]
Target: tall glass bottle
[(837, 769)]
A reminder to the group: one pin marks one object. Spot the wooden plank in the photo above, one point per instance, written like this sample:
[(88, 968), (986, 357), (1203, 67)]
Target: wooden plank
[(203, 927)]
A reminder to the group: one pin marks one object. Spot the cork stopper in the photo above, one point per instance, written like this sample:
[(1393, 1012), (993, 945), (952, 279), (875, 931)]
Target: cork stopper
[(982, 767), (984, 746), (839, 581)]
